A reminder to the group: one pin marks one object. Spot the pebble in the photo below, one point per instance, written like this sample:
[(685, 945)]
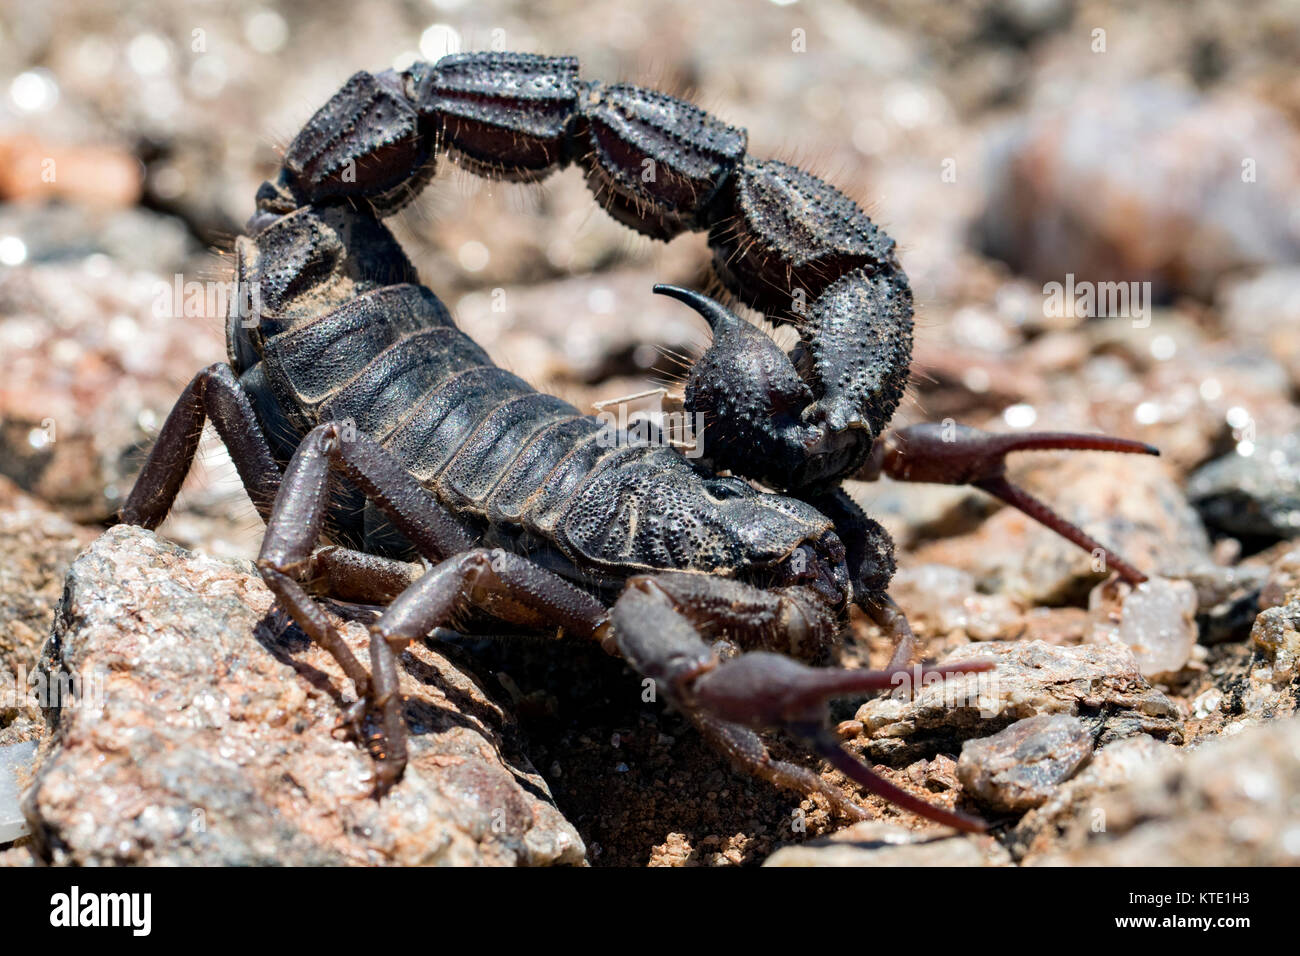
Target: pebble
[(1254, 490), (1100, 684), (1156, 620), (1019, 767), (882, 844), (15, 763)]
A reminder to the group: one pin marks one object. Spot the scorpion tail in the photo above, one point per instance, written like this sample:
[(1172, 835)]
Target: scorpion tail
[(783, 241)]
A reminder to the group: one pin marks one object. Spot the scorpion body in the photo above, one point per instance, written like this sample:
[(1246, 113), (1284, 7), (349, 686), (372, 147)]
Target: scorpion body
[(524, 470), (354, 408)]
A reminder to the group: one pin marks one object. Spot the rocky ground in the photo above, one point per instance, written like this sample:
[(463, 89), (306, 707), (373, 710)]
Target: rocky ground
[(1008, 146)]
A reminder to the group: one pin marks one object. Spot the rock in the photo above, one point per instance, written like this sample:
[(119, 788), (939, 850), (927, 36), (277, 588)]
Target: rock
[(1156, 620), (1054, 823), (1282, 583), (1277, 636), (1229, 802), (1100, 685), (1266, 309), (938, 775), (91, 372), (1191, 401), (1143, 183), (1245, 685), (584, 329), (16, 856), (89, 175), (15, 766), (1131, 504), (1057, 625), (136, 240), (943, 600), (207, 739), (913, 512), (1254, 490), (1019, 767), (882, 844), (1227, 599), (36, 548)]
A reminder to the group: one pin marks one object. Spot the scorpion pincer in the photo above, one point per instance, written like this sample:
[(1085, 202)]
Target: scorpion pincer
[(357, 412)]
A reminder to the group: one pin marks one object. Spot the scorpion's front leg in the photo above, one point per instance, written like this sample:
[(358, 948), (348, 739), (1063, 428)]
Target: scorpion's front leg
[(661, 624), (961, 455), (214, 395), (298, 516), (506, 585)]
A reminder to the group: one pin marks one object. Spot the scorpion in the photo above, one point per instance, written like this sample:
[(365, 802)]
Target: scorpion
[(393, 463)]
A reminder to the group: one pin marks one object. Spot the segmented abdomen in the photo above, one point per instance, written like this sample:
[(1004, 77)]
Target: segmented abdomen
[(329, 342)]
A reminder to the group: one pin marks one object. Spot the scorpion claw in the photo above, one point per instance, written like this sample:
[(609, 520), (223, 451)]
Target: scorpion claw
[(962, 455), (762, 690), (824, 743)]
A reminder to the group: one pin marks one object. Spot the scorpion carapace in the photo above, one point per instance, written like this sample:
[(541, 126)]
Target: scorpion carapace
[(353, 407)]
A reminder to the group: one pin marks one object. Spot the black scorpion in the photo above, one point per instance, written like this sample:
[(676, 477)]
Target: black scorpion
[(354, 409)]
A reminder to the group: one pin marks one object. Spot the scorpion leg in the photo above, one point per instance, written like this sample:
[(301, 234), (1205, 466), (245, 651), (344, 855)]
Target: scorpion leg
[(213, 394), (964, 455), (298, 516), (506, 585), (660, 626), (359, 576)]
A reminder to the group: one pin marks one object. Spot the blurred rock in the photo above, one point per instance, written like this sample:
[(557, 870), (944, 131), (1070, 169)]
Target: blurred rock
[(1266, 309), (1230, 802), (1155, 620), (1019, 768), (15, 768), (93, 365), (882, 844), (1100, 685), (583, 330), (206, 736), (1254, 490), (1198, 401), (36, 548), (1056, 625), (1188, 401), (913, 512), (1145, 183), (34, 171), (1227, 599), (1069, 808), (136, 240), (940, 600)]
